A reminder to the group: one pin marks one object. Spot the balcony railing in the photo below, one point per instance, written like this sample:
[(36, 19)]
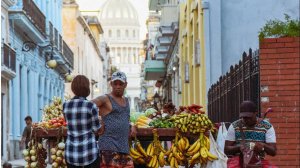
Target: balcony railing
[(51, 36), (35, 15), (60, 43), (56, 38), (8, 57), (68, 54)]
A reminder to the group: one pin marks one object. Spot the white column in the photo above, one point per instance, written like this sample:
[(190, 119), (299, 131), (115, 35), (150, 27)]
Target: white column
[(24, 92), (15, 117), (127, 53), (30, 95), (134, 58), (47, 91), (130, 53), (41, 96)]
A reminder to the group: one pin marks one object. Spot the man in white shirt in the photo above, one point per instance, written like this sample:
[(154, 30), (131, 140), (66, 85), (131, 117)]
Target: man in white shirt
[(259, 134)]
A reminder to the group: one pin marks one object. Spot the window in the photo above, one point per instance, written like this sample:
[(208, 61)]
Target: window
[(3, 28), (109, 33), (118, 33), (133, 33), (127, 34)]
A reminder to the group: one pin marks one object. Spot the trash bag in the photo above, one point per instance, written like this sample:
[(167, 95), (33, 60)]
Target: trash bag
[(214, 149), (222, 133)]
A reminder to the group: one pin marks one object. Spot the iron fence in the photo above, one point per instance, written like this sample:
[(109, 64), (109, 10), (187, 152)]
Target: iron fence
[(239, 84)]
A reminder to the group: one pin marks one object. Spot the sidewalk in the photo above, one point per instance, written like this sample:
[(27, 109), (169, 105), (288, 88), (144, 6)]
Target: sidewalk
[(21, 163)]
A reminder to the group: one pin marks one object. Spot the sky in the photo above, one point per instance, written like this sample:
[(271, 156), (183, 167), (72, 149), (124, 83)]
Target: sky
[(140, 5)]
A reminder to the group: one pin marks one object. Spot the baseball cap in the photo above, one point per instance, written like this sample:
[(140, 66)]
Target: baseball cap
[(119, 76), (247, 108)]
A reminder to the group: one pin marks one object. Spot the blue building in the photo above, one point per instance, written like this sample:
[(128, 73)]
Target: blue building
[(35, 35), (232, 27)]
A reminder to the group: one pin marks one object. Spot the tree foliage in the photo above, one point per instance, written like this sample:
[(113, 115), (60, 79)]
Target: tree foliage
[(277, 28)]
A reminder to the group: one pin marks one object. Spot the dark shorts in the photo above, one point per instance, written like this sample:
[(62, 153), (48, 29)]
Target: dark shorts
[(110, 159)]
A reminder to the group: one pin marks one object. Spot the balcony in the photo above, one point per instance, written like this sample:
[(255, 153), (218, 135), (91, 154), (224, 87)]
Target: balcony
[(164, 41), (28, 17), (154, 69), (161, 49), (155, 4), (8, 62), (160, 56), (68, 54), (166, 30)]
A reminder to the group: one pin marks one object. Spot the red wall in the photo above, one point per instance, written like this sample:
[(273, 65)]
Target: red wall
[(280, 83)]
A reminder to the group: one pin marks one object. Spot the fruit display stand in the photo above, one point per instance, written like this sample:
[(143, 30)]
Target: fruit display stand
[(53, 135), (164, 134)]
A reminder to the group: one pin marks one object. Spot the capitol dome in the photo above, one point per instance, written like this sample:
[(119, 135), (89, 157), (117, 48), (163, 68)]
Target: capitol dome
[(119, 11)]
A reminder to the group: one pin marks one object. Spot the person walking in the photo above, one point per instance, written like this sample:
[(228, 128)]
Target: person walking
[(115, 112), (250, 132), (82, 117), (26, 132)]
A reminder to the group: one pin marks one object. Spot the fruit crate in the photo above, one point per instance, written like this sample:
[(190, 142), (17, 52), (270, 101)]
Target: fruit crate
[(164, 134), (49, 133), (143, 134)]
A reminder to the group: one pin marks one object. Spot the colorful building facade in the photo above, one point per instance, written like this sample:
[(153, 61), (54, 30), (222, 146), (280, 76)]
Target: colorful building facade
[(192, 53), (35, 34)]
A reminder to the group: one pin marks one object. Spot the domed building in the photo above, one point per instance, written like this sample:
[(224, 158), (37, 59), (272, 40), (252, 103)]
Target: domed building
[(121, 27)]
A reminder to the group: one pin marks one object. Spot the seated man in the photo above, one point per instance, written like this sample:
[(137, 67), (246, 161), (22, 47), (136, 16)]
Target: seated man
[(259, 134)]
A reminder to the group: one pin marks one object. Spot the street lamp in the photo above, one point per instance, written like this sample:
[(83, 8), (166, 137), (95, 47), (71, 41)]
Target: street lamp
[(50, 62), (68, 77)]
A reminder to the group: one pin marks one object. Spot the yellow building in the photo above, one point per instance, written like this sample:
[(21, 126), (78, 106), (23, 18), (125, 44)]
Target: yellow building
[(191, 50)]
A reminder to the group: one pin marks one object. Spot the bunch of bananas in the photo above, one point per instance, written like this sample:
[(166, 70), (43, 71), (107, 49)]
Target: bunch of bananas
[(153, 157), (138, 153), (194, 123), (143, 122), (176, 154), (199, 151)]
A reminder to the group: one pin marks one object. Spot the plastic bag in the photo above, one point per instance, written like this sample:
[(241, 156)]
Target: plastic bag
[(222, 133), (214, 149)]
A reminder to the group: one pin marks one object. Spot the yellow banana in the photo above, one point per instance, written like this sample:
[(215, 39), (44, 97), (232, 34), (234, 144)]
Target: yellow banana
[(181, 145), (175, 163), (211, 156), (203, 152), (149, 148), (134, 154), (186, 143), (193, 146), (195, 156), (176, 154), (141, 149), (142, 122), (170, 157), (143, 118), (151, 162), (197, 147), (161, 159), (172, 162), (154, 158), (207, 143)]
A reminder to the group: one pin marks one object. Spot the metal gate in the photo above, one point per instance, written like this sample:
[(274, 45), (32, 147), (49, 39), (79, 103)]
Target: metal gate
[(239, 84)]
